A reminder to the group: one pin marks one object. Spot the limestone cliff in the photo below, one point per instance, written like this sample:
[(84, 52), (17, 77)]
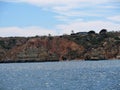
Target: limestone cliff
[(90, 46), (43, 49)]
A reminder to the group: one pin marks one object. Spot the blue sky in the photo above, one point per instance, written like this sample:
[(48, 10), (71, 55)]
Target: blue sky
[(41, 17)]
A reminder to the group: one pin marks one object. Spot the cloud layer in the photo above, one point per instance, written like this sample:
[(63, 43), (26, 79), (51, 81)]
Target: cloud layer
[(115, 18), (87, 26), (73, 14), (61, 29), (27, 31)]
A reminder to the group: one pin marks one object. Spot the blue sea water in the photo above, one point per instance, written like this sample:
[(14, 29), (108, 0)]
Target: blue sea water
[(73, 75)]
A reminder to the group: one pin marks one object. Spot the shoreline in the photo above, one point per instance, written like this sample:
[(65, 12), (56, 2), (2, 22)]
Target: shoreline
[(26, 61), (42, 61)]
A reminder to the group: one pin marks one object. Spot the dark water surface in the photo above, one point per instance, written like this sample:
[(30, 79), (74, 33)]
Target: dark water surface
[(73, 75)]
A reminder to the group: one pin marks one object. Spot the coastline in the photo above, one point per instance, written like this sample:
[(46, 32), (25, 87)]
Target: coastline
[(42, 61), (78, 46)]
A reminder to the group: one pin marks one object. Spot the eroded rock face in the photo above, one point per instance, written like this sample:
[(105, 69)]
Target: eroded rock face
[(37, 49), (71, 47), (109, 49), (95, 54), (2, 52)]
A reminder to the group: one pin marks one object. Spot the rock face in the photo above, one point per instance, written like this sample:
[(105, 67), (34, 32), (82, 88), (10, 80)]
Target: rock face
[(66, 47), (47, 49)]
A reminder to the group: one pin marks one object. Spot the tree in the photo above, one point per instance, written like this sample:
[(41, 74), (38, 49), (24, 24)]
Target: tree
[(49, 35), (103, 32), (72, 31), (91, 32)]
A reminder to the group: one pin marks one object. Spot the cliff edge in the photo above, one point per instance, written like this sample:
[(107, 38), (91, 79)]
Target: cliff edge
[(77, 46)]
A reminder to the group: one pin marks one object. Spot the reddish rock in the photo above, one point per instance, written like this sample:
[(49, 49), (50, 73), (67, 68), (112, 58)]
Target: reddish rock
[(43, 49)]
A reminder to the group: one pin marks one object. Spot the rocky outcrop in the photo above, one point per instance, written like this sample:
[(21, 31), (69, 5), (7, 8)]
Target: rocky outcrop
[(47, 49), (57, 48)]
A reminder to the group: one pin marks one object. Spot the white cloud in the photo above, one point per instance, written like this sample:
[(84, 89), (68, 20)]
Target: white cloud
[(27, 31), (114, 18), (65, 10), (87, 26), (68, 8), (62, 18), (109, 7), (57, 2), (78, 26)]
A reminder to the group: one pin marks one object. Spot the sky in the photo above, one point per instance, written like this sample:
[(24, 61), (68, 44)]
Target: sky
[(57, 17)]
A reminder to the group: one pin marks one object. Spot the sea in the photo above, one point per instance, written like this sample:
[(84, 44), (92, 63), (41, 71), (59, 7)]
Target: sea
[(64, 75)]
